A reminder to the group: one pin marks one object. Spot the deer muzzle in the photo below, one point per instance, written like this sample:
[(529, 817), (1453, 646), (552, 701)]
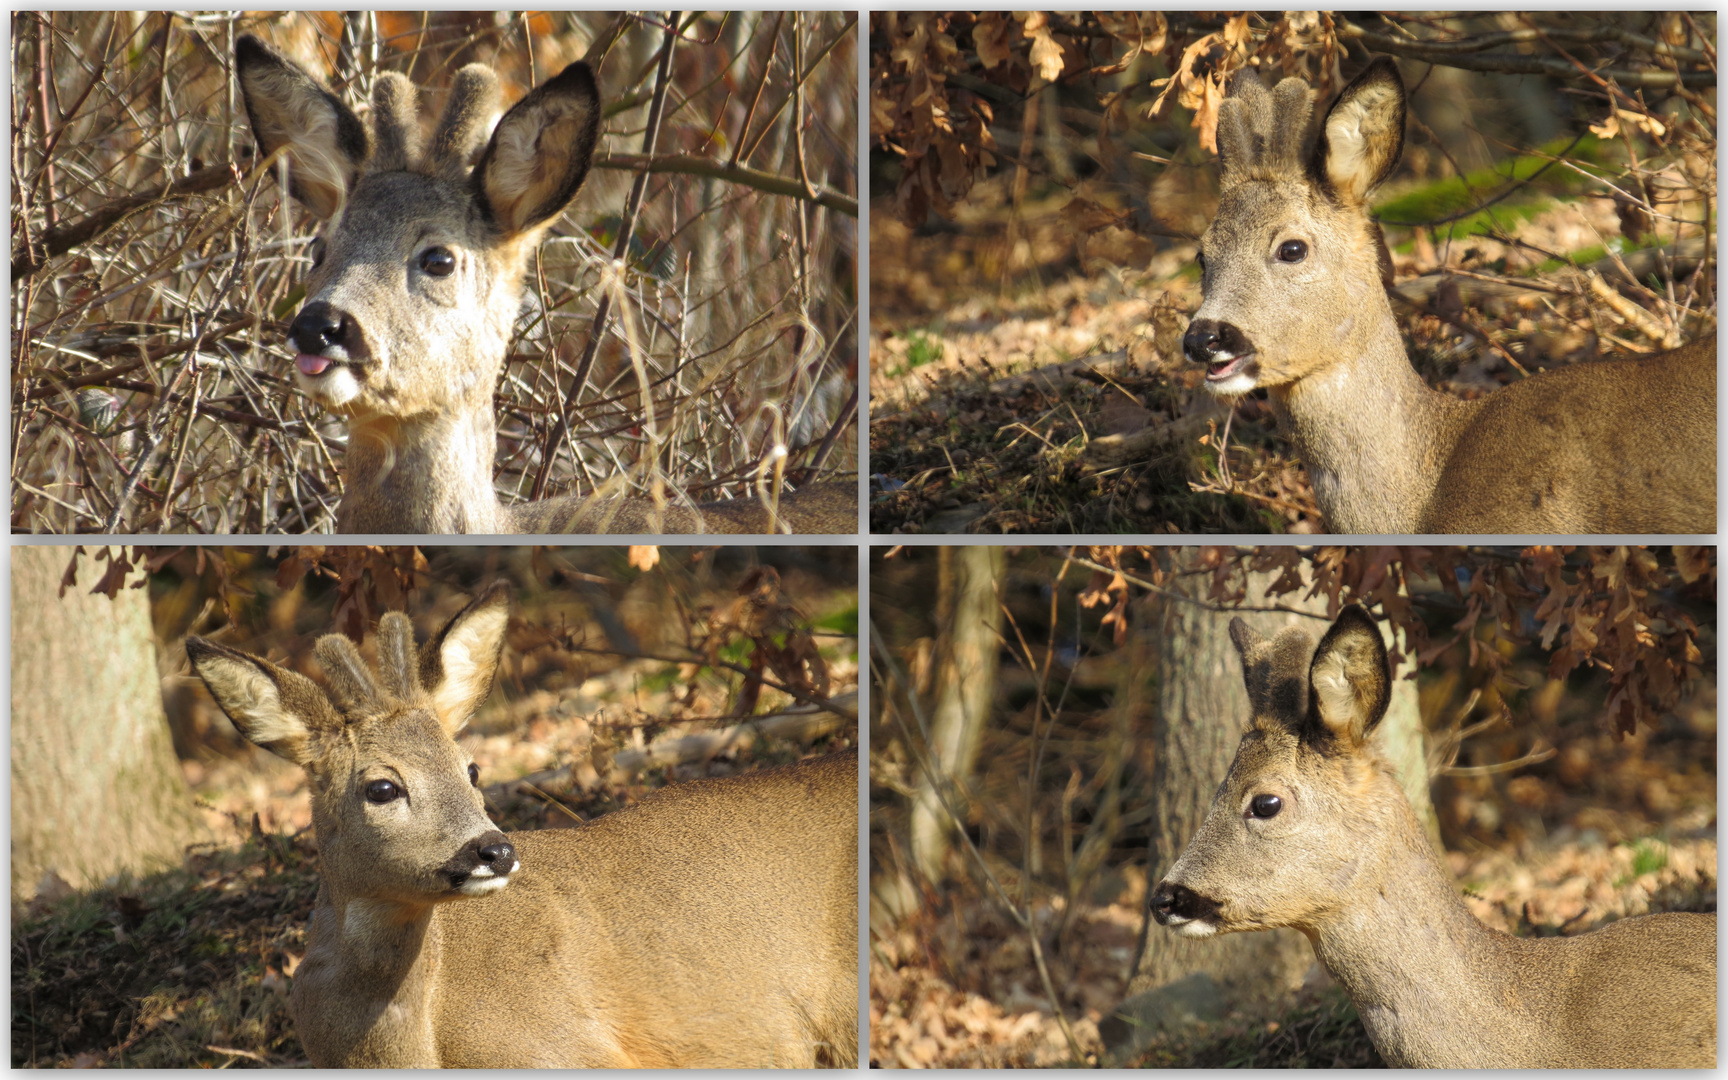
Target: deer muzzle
[(1226, 352), (331, 353), (483, 865), (1184, 910)]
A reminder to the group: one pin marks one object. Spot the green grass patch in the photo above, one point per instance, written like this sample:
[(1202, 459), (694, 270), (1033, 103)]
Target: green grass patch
[(922, 348), (1648, 856), (844, 621), (1457, 194)]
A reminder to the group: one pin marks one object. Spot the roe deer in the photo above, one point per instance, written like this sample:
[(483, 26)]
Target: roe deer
[(714, 924), (1293, 268), (1310, 830), (410, 304)]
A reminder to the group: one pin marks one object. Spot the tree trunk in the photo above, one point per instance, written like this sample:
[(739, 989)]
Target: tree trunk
[(968, 639), (1201, 712), (96, 789)]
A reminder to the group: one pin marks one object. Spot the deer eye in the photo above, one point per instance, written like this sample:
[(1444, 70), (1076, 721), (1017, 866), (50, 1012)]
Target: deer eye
[(382, 791), (1292, 251), (317, 252), (438, 261), (1265, 806), (474, 774), (1201, 259)]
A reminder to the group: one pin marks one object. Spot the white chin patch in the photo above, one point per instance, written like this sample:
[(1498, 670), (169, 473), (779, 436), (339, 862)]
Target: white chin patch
[(480, 886), (334, 388), (1234, 386), (1195, 928)]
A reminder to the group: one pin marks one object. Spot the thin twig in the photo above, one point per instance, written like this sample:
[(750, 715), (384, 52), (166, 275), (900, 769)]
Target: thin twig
[(698, 165), (620, 250), (1517, 64)]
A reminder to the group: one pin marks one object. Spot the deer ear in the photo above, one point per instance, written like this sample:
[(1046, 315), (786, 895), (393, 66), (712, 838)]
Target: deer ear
[(540, 151), (1244, 637), (326, 144), (1363, 136), (460, 664), (1350, 677), (278, 709)]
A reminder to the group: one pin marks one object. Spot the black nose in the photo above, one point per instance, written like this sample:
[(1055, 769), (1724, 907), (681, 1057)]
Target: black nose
[(320, 326), (1209, 339), (490, 850), (1178, 901)]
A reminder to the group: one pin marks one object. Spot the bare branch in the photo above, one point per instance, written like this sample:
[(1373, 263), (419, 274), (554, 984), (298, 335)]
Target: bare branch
[(1517, 64), (63, 238), (696, 165)]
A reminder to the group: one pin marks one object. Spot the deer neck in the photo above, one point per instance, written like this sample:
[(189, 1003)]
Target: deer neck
[(421, 474), (1372, 434), (363, 995), (1434, 987)]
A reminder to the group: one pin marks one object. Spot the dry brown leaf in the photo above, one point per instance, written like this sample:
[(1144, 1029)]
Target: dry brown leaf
[(1141, 31), (1046, 55), (1206, 114), (1183, 80), (990, 37)]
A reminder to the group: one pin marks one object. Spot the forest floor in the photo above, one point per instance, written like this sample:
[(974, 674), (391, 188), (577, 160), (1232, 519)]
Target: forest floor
[(953, 984), (1055, 399), (191, 967)]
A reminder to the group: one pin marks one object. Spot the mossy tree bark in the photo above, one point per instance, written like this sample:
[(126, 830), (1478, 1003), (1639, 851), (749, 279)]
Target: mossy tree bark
[(96, 789)]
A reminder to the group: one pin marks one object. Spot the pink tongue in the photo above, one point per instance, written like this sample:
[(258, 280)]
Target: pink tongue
[(310, 364)]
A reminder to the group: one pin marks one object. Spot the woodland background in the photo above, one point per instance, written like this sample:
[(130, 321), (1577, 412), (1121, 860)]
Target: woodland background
[(155, 269), (1074, 709), (1038, 181), (163, 869)]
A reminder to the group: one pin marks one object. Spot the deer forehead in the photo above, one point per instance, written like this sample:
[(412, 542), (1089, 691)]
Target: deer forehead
[(1273, 754), (402, 208), (1274, 750), (1252, 211), (405, 738)]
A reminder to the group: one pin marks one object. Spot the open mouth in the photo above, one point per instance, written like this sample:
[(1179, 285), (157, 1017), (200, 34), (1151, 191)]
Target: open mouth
[(313, 365), (332, 381), (1219, 370)]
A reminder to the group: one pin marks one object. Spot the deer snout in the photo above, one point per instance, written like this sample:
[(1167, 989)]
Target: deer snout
[(500, 857), (483, 865), (1176, 905), (1208, 341), (330, 346), (1226, 352), (324, 331)]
